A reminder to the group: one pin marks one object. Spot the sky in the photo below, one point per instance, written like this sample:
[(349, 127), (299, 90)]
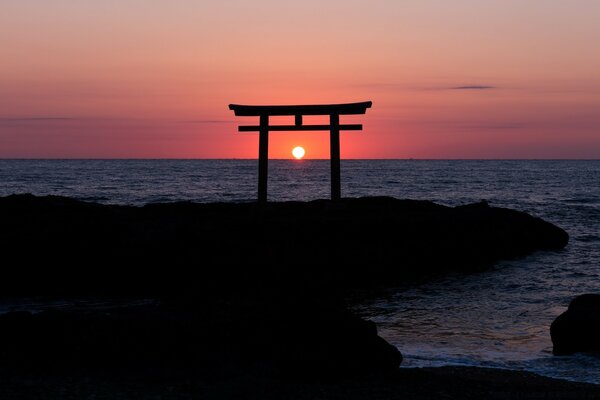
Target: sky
[(153, 78)]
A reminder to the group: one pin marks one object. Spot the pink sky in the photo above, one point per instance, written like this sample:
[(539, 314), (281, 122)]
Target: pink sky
[(152, 79)]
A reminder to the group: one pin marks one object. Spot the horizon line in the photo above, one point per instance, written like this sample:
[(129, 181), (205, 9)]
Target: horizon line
[(282, 159)]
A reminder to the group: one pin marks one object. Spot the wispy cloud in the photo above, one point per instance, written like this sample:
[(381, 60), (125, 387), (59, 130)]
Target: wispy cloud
[(490, 126), (50, 119), (37, 119), (472, 87), (404, 86), (209, 121)]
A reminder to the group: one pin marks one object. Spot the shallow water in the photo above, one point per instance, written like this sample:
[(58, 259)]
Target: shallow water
[(497, 318)]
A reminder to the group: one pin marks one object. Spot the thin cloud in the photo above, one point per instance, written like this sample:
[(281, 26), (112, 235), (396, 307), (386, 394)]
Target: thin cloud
[(37, 119), (479, 125), (209, 121), (472, 87), (404, 86), (500, 126), (50, 119), (506, 126)]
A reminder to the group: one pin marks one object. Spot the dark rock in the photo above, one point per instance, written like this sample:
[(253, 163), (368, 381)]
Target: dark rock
[(335, 344), (241, 286), (308, 344), (578, 328), (170, 249)]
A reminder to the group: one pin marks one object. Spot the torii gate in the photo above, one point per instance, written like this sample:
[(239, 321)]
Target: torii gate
[(333, 110)]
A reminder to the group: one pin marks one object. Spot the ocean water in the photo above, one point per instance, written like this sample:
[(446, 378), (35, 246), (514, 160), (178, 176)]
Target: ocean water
[(498, 318)]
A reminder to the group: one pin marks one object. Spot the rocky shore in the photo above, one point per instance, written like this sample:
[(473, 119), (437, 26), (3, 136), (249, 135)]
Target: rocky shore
[(68, 247), (247, 296)]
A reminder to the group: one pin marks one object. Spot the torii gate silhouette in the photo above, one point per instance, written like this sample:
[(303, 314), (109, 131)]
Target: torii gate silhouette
[(298, 111)]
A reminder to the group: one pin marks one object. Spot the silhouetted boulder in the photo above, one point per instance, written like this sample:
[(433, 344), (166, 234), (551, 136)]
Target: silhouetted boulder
[(334, 344), (578, 328), (303, 343)]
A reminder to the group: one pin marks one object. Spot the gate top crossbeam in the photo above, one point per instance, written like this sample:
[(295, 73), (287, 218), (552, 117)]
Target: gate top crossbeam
[(312, 109)]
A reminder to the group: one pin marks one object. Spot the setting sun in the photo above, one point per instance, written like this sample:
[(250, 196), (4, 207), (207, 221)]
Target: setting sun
[(298, 152)]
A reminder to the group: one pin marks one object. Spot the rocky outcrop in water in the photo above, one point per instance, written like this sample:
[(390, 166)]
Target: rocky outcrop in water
[(578, 328), (64, 246)]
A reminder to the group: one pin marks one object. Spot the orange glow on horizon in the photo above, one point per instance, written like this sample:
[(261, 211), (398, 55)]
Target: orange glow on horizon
[(121, 80)]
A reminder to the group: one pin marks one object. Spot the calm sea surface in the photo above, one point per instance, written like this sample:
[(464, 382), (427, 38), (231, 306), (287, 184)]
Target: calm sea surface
[(499, 318)]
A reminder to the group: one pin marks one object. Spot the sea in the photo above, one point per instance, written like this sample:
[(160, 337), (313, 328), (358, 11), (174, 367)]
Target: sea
[(498, 318)]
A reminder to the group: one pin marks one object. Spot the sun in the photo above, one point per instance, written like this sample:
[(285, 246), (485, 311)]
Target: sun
[(298, 152)]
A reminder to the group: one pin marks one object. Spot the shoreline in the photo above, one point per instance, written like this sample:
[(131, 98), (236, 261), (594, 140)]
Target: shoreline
[(105, 305), (406, 383)]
